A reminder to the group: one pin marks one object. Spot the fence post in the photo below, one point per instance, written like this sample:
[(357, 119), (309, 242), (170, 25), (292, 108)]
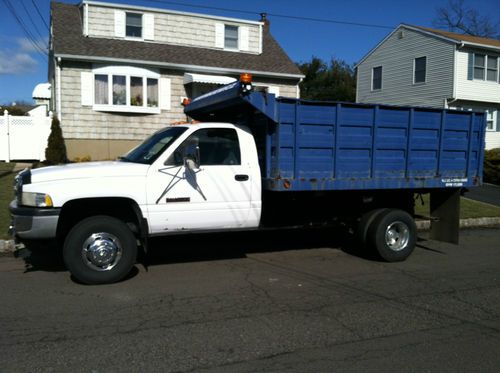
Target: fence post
[(7, 127)]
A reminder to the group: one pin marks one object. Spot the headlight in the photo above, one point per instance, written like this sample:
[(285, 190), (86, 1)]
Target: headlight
[(36, 200)]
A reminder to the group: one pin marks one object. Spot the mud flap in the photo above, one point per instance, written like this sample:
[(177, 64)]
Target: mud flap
[(445, 213)]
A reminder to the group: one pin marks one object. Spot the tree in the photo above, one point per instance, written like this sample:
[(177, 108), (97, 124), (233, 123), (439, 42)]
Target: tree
[(55, 152), (457, 17), (331, 82)]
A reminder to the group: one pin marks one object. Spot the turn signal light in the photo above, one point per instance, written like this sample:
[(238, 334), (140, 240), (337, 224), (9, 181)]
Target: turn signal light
[(186, 101)]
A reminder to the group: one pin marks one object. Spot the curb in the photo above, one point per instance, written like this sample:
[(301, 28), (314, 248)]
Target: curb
[(423, 225), (9, 246)]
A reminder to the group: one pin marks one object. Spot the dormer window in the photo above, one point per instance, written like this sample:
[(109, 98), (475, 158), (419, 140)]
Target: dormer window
[(133, 24), (230, 37)]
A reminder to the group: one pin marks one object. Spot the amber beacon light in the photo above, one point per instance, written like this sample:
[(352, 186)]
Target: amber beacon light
[(246, 82), (246, 78)]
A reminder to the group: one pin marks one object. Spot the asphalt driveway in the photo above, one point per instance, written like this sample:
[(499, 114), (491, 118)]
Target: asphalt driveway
[(487, 193)]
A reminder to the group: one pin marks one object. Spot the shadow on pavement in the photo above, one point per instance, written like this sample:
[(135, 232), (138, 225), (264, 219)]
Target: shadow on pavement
[(232, 245), (47, 256)]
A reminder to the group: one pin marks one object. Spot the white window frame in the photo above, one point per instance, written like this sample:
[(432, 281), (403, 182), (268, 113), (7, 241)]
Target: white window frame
[(142, 26), (415, 71), (381, 78), (490, 113), (238, 41), (128, 72), (485, 68), (491, 116)]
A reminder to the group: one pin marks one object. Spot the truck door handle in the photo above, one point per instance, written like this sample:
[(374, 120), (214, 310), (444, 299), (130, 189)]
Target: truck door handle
[(241, 177)]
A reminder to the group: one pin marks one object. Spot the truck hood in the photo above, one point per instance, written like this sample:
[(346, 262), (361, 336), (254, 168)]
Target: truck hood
[(88, 170)]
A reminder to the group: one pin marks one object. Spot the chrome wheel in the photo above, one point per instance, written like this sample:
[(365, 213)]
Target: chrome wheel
[(397, 236), (102, 251)]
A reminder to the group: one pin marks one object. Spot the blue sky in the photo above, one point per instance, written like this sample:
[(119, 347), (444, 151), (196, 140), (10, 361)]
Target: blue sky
[(22, 66)]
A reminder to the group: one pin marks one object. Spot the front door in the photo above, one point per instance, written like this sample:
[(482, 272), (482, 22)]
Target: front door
[(215, 195)]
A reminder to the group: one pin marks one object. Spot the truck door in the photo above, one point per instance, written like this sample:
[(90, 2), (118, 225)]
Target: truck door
[(214, 195)]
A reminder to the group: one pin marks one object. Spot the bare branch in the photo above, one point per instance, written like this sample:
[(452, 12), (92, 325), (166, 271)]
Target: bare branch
[(457, 17)]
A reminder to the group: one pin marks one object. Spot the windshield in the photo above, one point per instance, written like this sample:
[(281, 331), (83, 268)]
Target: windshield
[(153, 146)]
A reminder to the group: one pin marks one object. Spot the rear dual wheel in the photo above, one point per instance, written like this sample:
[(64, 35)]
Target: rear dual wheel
[(391, 233)]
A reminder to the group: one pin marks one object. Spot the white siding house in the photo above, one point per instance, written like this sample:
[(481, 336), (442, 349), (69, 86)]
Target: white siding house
[(419, 66), (119, 72)]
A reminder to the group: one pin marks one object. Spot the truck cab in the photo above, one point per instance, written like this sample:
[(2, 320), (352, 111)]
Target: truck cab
[(208, 178)]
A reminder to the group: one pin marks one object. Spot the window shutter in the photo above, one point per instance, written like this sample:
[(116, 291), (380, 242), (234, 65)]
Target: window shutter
[(470, 67), (165, 93), (87, 85), (149, 26), (219, 35), (119, 23), (243, 38), (274, 90), (498, 120)]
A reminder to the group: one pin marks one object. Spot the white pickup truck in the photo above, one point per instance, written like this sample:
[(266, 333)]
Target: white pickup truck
[(183, 178), (282, 163)]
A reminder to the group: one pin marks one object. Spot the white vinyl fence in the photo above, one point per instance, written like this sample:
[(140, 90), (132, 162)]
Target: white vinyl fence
[(23, 138)]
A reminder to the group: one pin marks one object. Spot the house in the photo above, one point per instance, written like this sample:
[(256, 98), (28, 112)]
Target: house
[(120, 72), (426, 67), (41, 94)]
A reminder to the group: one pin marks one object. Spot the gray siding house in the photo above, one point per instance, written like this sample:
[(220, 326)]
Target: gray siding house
[(120, 72), (420, 66)]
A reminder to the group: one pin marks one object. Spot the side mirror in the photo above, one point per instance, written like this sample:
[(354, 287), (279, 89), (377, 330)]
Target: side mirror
[(192, 156)]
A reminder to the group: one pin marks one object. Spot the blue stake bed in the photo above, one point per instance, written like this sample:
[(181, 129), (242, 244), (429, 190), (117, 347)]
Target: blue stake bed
[(307, 145)]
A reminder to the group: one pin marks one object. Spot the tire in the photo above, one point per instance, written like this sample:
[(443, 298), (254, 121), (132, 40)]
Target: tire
[(100, 250), (393, 235), (360, 236)]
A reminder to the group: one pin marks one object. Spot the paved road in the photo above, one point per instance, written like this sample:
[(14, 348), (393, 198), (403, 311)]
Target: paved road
[(487, 193), (276, 302)]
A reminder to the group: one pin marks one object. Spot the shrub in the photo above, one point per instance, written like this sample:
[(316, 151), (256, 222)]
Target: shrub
[(55, 152), (492, 166), (85, 158)]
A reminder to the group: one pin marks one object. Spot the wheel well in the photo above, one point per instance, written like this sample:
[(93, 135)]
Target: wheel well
[(124, 209)]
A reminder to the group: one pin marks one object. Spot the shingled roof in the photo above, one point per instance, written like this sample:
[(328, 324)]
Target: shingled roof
[(68, 40), (462, 38)]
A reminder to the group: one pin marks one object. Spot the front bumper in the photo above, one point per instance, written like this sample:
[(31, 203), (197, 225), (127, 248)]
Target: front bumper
[(32, 222)]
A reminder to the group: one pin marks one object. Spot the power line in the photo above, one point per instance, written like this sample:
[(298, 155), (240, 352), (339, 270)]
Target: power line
[(311, 19), (40, 14), (35, 27), (24, 28)]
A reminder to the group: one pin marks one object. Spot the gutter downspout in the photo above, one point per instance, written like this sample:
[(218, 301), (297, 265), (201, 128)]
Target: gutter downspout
[(454, 98), (298, 87), (58, 87)]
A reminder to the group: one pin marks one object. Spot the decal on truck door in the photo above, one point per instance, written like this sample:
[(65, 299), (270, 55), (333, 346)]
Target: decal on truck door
[(188, 175)]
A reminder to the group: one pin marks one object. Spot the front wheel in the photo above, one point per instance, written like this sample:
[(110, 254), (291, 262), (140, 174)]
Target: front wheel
[(393, 235), (100, 250)]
